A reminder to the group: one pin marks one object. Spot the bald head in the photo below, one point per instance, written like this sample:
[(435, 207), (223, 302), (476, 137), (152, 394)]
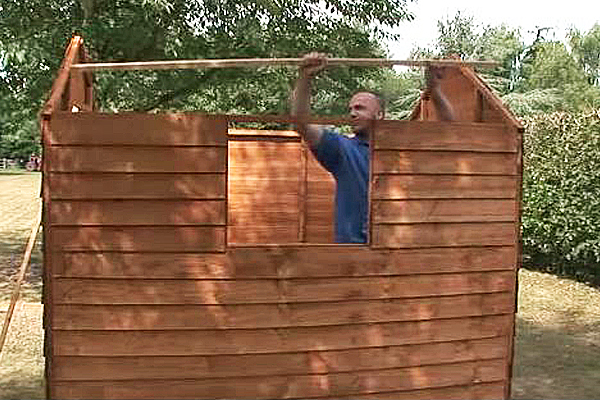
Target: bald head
[(364, 109)]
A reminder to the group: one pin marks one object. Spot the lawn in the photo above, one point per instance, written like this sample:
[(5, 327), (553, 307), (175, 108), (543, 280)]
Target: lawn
[(557, 349)]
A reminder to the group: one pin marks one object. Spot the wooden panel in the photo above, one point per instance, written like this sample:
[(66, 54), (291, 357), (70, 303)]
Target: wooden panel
[(338, 384), (285, 262), (165, 239), (442, 235), (477, 391), (138, 129), (320, 203), (399, 187), (137, 186), (207, 342), (447, 136), (463, 210), (75, 368), (444, 162), (148, 317), (137, 159), (264, 184), (220, 292), (138, 212)]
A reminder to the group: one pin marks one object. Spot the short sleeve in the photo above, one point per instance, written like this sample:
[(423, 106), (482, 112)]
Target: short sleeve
[(328, 150)]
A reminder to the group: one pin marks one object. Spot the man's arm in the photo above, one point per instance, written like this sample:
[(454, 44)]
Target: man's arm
[(312, 64), (442, 106)]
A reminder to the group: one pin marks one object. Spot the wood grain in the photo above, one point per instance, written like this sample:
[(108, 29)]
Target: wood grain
[(284, 262), (443, 234), (450, 210), (94, 186), (139, 238), (138, 212), (75, 368), (447, 136), (275, 291), (147, 317), (172, 129), (402, 187), (337, 384), (282, 340), (444, 162), (138, 159)]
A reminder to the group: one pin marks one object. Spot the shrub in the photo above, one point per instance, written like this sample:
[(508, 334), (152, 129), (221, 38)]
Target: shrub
[(561, 194)]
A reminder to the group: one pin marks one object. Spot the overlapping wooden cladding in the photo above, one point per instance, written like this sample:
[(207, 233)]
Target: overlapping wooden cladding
[(150, 302)]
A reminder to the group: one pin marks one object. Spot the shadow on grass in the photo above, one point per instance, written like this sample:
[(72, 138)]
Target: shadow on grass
[(556, 362), (12, 246)]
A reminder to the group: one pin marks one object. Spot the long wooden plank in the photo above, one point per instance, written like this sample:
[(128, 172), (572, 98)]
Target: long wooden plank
[(264, 159), (338, 384), (138, 159), (477, 391), (401, 187), (449, 210), (275, 291), (173, 129), (76, 368), (139, 238), (443, 234), (434, 135), (138, 212), (444, 162), (145, 317), (285, 262), (283, 340), (137, 186)]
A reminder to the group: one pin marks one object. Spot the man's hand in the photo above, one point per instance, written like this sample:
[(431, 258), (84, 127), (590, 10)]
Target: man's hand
[(433, 78), (312, 64)]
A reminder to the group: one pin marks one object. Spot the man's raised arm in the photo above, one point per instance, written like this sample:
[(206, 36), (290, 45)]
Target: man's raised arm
[(312, 64), (444, 110)]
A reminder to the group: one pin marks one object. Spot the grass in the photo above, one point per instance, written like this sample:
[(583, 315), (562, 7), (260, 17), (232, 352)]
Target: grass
[(557, 347)]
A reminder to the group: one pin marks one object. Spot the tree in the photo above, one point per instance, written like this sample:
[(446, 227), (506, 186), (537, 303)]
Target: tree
[(34, 33), (586, 49)]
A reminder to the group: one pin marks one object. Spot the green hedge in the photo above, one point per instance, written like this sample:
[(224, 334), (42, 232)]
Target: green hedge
[(561, 194)]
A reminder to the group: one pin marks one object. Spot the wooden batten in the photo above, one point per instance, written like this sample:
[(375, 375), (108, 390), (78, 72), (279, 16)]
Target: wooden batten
[(185, 259)]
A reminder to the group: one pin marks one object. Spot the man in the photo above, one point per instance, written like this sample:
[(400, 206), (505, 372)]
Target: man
[(347, 159)]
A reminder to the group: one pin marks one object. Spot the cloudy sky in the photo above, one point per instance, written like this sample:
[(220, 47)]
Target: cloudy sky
[(523, 14)]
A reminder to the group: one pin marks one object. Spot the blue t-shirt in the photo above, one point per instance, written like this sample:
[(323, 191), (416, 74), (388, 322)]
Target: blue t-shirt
[(348, 161)]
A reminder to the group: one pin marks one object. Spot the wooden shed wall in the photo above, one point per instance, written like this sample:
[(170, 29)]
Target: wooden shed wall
[(149, 302)]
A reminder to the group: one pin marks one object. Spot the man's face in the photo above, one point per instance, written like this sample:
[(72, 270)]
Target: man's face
[(364, 109)]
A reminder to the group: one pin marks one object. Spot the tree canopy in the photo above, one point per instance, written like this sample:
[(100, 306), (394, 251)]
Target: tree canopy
[(34, 33)]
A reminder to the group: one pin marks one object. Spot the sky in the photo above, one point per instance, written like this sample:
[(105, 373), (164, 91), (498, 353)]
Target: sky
[(523, 14)]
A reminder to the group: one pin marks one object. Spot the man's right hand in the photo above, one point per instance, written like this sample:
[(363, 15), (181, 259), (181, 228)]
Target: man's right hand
[(312, 64)]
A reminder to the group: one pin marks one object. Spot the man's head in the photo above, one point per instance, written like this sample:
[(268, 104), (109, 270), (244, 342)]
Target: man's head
[(364, 109)]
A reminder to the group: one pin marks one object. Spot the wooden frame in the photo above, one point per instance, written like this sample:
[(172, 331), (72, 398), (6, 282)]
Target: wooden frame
[(145, 296)]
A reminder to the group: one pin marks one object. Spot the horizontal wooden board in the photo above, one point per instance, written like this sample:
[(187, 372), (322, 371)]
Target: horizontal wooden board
[(264, 160), (137, 159), (145, 317), (138, 238), (339, 384), (444, 234), (256, 232), (76, 368), (137, 129), (138, 212), (284, 262), (282, 340), (95, 186), (401, 187), (220, 292), (399, 235), (444, 162), (237, 133), (445, 210), (434, 135), (478, 391)]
